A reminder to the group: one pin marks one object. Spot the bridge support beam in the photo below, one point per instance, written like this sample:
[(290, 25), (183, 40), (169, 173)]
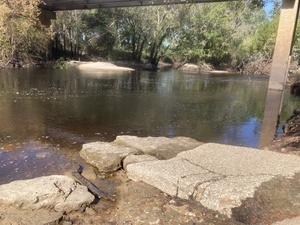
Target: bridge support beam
[(279, 70), (46, 16)]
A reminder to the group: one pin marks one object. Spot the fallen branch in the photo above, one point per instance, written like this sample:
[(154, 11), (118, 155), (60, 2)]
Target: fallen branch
[(93, 189)]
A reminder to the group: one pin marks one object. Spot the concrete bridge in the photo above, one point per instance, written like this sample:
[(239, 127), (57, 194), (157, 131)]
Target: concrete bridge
[(49, 7), (281, 57), (58, 5)]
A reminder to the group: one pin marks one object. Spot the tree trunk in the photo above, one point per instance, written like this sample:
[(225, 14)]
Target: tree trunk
[(140, 52)]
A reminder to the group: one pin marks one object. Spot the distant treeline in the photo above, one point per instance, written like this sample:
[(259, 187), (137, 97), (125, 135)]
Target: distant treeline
[(225, 34)]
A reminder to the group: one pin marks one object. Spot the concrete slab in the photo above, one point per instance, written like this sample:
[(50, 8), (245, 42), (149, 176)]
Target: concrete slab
[(218, 176), (136, 159), (235, 160), (160, 147), (107, 157)]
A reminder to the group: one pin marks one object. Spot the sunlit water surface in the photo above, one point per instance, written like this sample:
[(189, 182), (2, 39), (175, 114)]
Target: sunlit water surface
[(46, 115)]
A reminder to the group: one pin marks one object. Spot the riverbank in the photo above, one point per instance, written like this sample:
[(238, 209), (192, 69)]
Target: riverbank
[(95, 64), (252, 68), (209, 184)]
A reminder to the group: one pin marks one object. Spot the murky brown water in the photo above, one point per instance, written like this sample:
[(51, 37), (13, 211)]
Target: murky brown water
[(46, 115)]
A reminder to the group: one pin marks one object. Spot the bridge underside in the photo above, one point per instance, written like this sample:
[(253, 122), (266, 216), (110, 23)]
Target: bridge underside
[(59, 5)]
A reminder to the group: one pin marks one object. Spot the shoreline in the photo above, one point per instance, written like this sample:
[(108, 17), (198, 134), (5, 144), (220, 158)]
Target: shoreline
[(137, 199), (90, 66)]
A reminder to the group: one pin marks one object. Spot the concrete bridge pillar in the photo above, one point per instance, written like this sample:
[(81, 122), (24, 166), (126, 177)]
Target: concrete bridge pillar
[(45, 17), (279, 70)]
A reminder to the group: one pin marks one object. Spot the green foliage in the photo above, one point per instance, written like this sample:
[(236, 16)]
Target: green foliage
[(60, 64), (265, 38), (22, 35), (214, 33), (133, 34), (296, 49), (85, 32), (223, 34), (261, 43)]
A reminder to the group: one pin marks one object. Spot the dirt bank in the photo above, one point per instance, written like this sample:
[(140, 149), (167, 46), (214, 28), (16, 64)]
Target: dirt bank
[(289, 141), (138, 203)]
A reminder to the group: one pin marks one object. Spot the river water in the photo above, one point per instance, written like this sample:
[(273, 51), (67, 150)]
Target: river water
[(46, 115)]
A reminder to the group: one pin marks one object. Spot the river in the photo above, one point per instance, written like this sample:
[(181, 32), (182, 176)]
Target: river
[(46, 115)]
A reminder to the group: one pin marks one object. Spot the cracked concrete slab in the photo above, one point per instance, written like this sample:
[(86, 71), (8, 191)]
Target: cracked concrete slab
[(218, 176), (246, 161), (174, 176)]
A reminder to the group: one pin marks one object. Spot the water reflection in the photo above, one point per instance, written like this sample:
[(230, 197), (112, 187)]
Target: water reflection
[(76, 106), (68, 108), (30, 160)]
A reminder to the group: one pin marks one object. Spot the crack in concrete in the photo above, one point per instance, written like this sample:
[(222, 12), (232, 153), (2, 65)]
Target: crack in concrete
[(208, 170), (177, 188), (228, 175), (209, 182), (193, 174)]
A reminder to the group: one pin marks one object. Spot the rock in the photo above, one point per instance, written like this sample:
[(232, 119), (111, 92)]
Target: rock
[(136, 158), (160, 147), (56, 192), (107, 157), (90, 211), (220, 177), (89, 172)]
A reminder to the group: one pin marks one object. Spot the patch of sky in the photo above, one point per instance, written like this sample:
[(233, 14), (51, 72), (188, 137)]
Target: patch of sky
[(270, 4)]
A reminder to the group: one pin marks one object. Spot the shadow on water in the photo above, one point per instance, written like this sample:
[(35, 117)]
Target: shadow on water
[(55, 112)]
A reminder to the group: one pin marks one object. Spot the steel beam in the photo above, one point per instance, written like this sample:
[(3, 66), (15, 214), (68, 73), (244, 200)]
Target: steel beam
[(279, 70)]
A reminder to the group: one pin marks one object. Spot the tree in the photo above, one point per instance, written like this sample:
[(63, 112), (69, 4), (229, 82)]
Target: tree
[(223, 34), (85, 32), (100, 30), (22, 35), (68, 31), (147, 30), (213, 32), (133, 31), (167, 21), (260, 45)]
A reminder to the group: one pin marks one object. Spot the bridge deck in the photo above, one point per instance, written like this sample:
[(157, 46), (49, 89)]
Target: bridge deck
[(59, 5)]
